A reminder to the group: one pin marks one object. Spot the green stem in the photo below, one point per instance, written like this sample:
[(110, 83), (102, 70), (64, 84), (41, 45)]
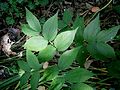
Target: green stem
[(106, 5), (9, 81)]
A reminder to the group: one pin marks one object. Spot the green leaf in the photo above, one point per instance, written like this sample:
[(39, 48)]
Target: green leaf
[(64, 40), (29, 31), (47, 54), (117, 8), (43, 2), (79, 22), (101, 50), (32, 60), (57, 83), (92, 30), (9, 81), (10, 20), (33, 21), (31, 5), (36, 43), (67, 58), (81, 86), (67, 19), (61, 24), (24, 66), (19, 1), (50, 28), (67, 16), (4, 6), (50, 73), (106, 50), (103, 89), (67, 28), (107, 35), (78, 75), (34, 80), (24, 78), (82, 56)]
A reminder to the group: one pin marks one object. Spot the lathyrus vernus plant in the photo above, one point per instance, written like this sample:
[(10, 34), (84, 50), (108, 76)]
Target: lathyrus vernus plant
[(48, 41)]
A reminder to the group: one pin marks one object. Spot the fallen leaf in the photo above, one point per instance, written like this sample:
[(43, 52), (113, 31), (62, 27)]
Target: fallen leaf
[(87, 64), (6, 44), (95, 9)]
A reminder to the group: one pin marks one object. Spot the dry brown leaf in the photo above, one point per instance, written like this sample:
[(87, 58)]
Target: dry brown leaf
[(95, 9), (88, 63), (6, 44)]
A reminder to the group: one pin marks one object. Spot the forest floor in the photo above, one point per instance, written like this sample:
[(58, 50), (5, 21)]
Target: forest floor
[(109, 17)]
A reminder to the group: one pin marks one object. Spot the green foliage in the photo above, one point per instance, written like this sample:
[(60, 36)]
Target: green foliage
[(4, 6), (24, 66), (101, 50), (97, 40), (89, 41), (61, 42), (117, 8), (9, 9), (32, 21), (64, 39), (50, 28), (50, 73), (10, 20), (77, 75), (29, 31), (47, 54), (82, 56), (91, 30), (32, 60), (113, 69), (79, 22), (13, 9), (57, 83), (6, 83), (67, 16), (67, 58), (24, 78), (34, 80), (36, 43), (107, 35), (81, 86), (66, 20), (42, 2)]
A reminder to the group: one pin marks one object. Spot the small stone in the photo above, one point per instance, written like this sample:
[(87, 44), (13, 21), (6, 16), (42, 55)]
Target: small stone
[(45, 65), (41, 88)]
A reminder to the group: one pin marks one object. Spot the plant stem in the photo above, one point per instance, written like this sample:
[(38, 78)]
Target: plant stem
[(99, 11)]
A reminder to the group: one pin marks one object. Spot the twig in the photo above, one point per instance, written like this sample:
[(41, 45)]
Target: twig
[(99, 69), (20, 39), (49, 9), (105, 79), (94, 83), (99, 11)]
